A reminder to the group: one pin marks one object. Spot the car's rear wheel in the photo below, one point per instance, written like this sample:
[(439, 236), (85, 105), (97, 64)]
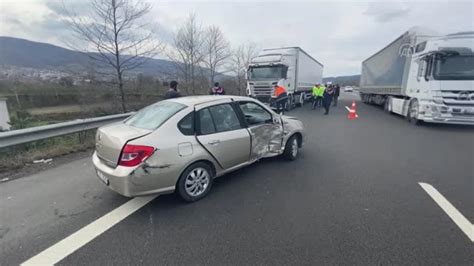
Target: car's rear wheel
[(291, 148), (195, 182)]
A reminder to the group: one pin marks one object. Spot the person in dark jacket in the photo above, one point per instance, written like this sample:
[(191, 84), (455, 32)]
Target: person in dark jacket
[(337, 92), (217, 90), (173, 91), (327, 98)]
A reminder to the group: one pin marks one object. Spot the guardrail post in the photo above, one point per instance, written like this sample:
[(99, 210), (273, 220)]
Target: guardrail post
[(4, 115)]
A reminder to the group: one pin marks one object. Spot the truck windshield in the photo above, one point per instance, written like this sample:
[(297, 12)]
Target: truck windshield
[(454, 67), (267, 72)]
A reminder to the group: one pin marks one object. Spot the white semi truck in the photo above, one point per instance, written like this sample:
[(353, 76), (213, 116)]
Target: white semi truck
[(289, 67), (424, 77)]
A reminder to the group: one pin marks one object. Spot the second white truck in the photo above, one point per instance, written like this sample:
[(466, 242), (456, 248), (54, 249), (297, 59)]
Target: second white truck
[(425, 77), (289, 67)]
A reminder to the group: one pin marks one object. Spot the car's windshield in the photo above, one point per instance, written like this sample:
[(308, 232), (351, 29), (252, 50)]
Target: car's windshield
[(454, 67), (267, 72), (154, 115)]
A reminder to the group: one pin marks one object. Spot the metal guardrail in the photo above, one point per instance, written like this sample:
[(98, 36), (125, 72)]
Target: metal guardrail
[(21, 136)]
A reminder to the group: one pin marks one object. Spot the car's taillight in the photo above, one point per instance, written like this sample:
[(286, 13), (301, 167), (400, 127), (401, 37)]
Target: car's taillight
[(133, 155)]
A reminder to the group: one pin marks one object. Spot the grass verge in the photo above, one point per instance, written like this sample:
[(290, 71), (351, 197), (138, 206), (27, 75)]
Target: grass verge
[(19, 156)]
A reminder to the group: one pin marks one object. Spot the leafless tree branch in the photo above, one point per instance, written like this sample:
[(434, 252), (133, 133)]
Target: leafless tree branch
[(114, 31), (217, 50)]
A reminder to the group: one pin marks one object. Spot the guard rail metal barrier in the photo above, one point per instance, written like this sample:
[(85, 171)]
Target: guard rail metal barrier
[(20, 136)]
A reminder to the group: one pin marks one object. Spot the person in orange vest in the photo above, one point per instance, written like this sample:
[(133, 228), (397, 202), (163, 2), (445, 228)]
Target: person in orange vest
[(279, 97)]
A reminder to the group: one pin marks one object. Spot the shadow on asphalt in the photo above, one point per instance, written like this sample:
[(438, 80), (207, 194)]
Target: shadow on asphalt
[(220, 185)]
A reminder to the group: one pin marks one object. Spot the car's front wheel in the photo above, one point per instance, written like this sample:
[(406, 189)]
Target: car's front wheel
[(291, 148), (195, 182)]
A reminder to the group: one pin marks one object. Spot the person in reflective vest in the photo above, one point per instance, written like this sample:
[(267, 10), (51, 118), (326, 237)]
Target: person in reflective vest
[(318, 92), (279, 97)]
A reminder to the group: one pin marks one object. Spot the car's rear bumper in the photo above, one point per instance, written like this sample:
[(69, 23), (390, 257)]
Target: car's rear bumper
[(125, 181)]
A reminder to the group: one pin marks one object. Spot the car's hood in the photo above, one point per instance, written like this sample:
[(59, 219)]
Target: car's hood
[(286, 117)]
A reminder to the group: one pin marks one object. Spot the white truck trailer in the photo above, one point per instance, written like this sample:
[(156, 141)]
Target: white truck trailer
[(423, 77), (289, 67)]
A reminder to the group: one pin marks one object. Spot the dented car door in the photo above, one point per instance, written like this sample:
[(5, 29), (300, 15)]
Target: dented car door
[(265, 129), (223, 135)]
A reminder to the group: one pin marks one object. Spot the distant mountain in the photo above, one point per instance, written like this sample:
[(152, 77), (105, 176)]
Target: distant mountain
[(24, 53), (344, 80)]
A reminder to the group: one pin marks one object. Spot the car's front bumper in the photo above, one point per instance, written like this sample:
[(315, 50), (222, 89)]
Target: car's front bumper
[(131, 181)]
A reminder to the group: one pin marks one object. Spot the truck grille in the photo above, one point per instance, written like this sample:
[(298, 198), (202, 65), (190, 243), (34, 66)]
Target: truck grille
[(262, 90), (458, 97)]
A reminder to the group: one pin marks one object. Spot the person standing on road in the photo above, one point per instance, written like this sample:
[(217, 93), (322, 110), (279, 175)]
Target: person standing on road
[(173, 91), (217, 90), (319, 99), (337, 91), (328, 94), (279, 97), (315, 94)]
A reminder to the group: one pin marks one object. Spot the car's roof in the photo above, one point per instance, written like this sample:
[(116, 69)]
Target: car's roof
[(195, 100)]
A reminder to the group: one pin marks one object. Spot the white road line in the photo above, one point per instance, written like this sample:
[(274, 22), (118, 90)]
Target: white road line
[(457, 217), (65, 247)]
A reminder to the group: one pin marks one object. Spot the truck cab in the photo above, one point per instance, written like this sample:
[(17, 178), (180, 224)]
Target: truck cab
[(266, 70), (289, 67), (441, 80)]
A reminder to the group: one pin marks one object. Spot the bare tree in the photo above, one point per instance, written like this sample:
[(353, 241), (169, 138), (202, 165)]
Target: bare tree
[(115, 32), (217, 51), (188, 53), (241, 58)]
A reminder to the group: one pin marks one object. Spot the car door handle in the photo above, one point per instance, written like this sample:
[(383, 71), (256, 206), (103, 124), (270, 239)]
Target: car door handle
[(214, 142)]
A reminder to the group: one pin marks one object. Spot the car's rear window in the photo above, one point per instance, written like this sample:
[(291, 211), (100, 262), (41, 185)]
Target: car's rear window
[(155, 115)]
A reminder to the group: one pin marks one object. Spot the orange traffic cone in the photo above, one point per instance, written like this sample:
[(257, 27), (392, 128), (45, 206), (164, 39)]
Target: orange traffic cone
[(352, 112)]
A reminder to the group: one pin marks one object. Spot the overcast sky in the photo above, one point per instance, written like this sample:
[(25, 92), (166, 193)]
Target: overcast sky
[(338, 34)]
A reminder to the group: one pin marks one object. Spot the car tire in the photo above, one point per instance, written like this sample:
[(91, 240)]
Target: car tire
[(203, 178), (291, 149)]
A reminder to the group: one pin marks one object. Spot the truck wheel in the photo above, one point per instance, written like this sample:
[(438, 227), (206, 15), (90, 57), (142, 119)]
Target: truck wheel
[(387, 105), (413, 111), (364, 98), (301, 100), (289, 103)]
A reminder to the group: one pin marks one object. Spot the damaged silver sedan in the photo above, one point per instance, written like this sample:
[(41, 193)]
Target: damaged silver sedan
[(182, 144)]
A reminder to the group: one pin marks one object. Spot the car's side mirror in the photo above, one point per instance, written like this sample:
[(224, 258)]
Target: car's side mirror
[(276, 120)]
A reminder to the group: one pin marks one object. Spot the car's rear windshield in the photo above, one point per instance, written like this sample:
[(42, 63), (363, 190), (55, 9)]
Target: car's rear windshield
[(153, 116)]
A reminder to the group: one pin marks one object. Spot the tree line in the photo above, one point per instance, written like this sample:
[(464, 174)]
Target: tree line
[(118, 34)]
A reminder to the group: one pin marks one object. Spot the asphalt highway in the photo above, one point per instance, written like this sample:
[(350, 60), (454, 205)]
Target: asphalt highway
[(352, 197)]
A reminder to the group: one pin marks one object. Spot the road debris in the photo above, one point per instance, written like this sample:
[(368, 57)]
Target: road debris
[(43, 161)]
